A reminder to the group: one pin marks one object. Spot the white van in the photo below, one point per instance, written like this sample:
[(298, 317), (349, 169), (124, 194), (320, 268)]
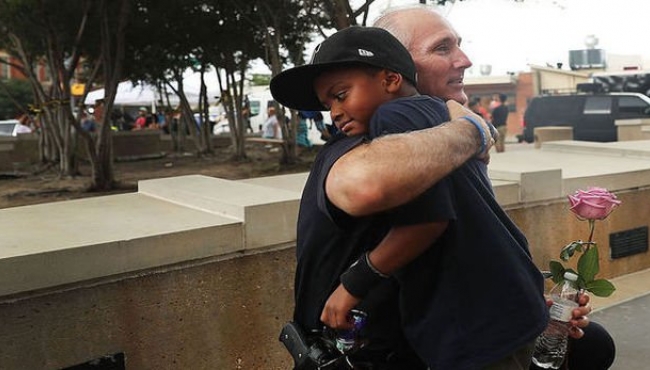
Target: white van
[(9, 127), (259, 102)]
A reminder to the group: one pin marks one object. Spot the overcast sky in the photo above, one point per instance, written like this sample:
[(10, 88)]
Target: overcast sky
[(510, 35)]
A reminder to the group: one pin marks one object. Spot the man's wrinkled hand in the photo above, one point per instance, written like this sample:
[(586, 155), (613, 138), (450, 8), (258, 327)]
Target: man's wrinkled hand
[(579, 316)]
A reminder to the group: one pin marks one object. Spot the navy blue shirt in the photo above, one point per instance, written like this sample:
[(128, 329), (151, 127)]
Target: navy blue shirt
[(469, 300), (475, 296), (328, 242)]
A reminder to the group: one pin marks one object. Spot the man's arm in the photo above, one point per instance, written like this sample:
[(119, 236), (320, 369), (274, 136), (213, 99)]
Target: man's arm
[(394, 169)]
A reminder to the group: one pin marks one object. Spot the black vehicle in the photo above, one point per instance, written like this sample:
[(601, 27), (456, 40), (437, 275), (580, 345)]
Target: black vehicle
[(592, 116)]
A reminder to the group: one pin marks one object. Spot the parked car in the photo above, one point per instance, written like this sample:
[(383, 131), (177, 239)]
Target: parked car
[(9, 127), (592, 116)]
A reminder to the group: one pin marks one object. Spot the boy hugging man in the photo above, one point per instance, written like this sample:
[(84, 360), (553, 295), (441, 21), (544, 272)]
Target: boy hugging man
[(417, 270)]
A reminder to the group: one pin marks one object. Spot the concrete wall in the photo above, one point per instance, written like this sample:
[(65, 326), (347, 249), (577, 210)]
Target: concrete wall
[(209, 284), (633, 129), (551, 226), (21, 152), (18, 153), (200, 315)]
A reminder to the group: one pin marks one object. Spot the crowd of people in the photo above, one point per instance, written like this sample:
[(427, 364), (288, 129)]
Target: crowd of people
[(494, 110)]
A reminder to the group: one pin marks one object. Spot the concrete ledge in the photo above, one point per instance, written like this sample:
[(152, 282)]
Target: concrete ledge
[(7, 143), (506, 192), (66, 242), (580, 167), (193, 217), (633, 149), (628, 287), (540, 184), (18, 151), (552, 133), (293, 182), (263, 140), (269, 215), (631, 129), (632, 122), (135, 144)]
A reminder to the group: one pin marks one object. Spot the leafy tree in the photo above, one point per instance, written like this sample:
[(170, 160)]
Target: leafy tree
[(233, 46), (285, 25), (15, 98), (165, 38), (163, 63), (112, 18), (204, 36), (60, 35), (34, 32)]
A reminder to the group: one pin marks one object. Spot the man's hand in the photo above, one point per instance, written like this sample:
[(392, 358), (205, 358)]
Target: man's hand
[(457, 110), (579, 317), (336, 313)]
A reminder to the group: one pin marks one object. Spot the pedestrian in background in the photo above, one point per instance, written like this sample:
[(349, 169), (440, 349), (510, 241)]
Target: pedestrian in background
[(500, 120), (302, 134), (271, 127)]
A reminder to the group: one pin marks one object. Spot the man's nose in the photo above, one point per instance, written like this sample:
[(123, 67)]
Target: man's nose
[(462, 60)]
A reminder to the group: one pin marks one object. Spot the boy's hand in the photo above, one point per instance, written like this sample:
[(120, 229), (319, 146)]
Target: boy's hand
[(457, 110), (336, 313)]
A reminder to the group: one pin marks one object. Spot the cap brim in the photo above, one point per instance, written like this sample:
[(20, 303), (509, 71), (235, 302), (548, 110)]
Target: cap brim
[(294, 88)]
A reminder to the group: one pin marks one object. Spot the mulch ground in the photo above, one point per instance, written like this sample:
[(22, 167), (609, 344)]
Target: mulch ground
[(45, 185)]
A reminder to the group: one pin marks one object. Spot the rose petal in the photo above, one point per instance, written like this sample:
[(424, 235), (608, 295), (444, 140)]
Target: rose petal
[(594, 204)]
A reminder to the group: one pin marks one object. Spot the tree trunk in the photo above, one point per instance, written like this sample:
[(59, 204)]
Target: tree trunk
[(112, 57), (289, 152)]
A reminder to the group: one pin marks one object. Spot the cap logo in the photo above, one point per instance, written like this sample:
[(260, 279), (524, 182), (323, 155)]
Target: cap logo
[(313, 55), (366, 53)]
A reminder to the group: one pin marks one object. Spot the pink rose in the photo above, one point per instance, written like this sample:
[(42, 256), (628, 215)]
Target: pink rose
[(593, 204)]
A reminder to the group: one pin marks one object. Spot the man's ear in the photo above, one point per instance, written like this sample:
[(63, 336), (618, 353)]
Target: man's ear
[(392, 81)]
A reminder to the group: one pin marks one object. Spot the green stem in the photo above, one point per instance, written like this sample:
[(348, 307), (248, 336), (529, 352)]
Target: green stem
[(592, 224)]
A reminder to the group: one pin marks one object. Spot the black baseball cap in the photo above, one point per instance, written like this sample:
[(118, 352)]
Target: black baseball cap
[(294, 88)]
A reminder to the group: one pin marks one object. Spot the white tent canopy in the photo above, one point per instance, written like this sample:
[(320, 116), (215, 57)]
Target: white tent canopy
[(143, 94)]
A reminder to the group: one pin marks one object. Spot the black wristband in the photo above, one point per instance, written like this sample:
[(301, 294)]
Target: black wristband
[(361, 277)]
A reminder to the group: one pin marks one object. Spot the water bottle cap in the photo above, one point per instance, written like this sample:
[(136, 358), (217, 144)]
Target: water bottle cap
[(570, 276)]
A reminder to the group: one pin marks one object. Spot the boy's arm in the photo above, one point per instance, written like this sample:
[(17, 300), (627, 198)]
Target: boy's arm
[(402, 245), (394, 169)]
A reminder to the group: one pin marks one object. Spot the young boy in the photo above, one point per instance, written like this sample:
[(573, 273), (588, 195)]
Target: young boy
[(431, 246)]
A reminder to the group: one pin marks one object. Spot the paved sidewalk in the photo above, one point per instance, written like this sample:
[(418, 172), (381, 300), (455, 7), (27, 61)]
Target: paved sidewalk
[(626, 315), (628, 287)]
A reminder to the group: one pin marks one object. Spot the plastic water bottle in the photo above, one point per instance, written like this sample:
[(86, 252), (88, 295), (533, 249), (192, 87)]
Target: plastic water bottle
[(347, 340), (551, 346)]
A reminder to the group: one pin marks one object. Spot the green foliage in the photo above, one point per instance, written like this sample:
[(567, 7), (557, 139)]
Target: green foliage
[(600, 287), (21, 93), (588, 268), (260, 79), (588, 264), (557, 271), (570, 249)]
